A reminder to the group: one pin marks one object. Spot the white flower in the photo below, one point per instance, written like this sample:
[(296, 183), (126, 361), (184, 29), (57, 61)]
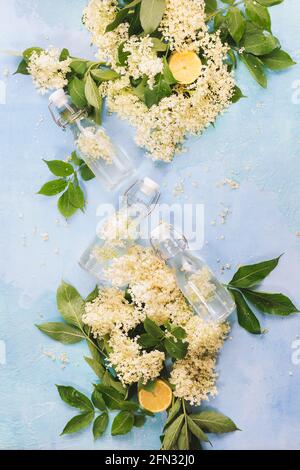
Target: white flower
[(47, 71), (94, 143)]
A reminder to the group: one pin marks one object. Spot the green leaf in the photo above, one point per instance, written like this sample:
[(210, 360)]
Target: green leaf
[(104, 75), (74, 398), (259, 43), (269, 3), (76, 195), (92, 295), (132, 4), (78, 423), (64, 54), (210, 6), (100, 425), (59, 331), (76, 89), (70, 304), (79, 66), (258, 14), (86, 173), (173, 412), (22, 68), (139, 421), (168, 76), (183, 442), (75, 159), (176, 349), (157, 93), (176, 331), (122, 55), (158, 45), (237, 94), (92, 93), (275, 304), (113, 399), (64, 204), (122, 424), (236, 23), (96, 366), (59, 168), (98, 401), (246, 317), (53, 187), (119, 18), (130, 406), (255, 67), (109, 381), (196, 430), (147, 341), (153, 329), (214, 422), (151, 14), (277, 60), (28, 52), (252, 274), (172, 432)]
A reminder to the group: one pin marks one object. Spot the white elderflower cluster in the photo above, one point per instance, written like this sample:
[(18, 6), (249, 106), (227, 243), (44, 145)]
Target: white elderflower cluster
[(47, 71), (132, 364), (97, 15), (142, 59), (94, 143), (119, 228), (194, 377), (110, 311), (183, 24)]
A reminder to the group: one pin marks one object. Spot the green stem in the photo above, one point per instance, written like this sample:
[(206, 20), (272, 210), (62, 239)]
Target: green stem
[(212, 15)]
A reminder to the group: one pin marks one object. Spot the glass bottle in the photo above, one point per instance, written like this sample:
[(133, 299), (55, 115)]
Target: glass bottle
[(122, 229), (108, 161), (209, 298)]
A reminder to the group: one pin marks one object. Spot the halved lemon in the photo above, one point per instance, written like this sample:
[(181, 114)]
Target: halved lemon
[(185, 66), (158, 399)]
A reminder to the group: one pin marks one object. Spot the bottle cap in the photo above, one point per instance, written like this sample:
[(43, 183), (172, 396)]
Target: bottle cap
[(148, 186), (58, 98)]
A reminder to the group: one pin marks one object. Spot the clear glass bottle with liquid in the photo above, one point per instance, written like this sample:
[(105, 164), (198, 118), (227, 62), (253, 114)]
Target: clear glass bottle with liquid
[(209, 298), (122, 229), (108, 161)]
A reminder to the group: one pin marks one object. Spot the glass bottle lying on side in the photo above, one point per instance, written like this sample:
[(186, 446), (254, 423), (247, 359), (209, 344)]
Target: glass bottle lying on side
[(120, 230), (108, 161), (209, 298)]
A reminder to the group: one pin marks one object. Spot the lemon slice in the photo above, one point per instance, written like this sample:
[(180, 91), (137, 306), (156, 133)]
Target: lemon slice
[(158, 399), (185, 66)]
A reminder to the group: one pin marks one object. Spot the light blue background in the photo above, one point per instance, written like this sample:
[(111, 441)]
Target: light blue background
[(257, 143)]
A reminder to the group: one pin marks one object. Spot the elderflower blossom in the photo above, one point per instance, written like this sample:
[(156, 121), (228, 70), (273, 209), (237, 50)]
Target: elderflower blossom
[(183, 24), (47, 71), (108, 312), (194, 376), (97, 15), (130, 363), (142, 59), (95, 143)]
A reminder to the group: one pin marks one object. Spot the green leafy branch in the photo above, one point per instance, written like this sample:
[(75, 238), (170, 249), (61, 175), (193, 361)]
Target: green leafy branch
[(185, 430), (243, 289), (67, 184), (249, 34)]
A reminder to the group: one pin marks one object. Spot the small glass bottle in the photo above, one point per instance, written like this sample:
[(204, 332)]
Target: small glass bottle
[(108, 161), (209, 298), (120, 230)]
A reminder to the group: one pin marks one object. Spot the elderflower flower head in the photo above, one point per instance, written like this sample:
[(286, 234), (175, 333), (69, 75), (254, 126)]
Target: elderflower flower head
[(194, 376), (110, 311), (201, 281), (142, 59), (132, 364), (97, 15), (47, 71), (94, 144), (183, 24)]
